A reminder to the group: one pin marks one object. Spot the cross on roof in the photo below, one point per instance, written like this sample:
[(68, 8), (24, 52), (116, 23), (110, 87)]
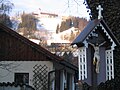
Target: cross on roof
[(99, 8)]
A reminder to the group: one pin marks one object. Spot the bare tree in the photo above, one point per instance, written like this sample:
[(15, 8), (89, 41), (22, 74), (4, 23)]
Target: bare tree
[(5, 8)]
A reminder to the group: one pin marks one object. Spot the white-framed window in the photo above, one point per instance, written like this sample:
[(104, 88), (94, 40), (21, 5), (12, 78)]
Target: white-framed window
[(109, 65), (82, 63)]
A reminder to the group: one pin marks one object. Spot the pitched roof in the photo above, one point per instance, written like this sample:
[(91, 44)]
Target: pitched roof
[(40, 49), (87, 30)]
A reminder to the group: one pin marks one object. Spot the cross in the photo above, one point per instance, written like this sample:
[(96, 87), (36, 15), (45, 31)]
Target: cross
[(99, 8)]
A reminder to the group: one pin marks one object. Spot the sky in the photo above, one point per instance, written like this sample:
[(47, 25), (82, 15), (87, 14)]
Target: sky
[(61, 7)]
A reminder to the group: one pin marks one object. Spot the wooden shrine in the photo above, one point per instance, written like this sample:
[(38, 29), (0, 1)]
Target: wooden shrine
[(96, 44)]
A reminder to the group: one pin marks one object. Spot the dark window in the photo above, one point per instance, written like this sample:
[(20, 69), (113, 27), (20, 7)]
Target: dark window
[(21, 78)]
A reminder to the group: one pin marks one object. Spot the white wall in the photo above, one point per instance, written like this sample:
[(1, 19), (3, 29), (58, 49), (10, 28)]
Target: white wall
[(21, 67)]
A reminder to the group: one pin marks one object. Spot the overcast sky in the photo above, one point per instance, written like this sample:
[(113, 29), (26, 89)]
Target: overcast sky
[(75, 7)]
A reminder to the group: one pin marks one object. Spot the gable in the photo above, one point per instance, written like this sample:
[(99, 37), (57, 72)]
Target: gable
[(16, 47), (13, 48), (108, 32), (96, 28), (86, 31)]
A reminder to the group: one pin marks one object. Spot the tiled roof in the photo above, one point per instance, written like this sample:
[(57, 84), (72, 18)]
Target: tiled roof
[(13, 84)]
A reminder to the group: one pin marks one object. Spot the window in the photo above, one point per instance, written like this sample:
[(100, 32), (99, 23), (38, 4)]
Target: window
[(109, 65), (21, 78)]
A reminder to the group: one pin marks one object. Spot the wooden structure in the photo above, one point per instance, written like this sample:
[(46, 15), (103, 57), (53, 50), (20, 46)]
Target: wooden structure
[(22, 61), (96, 44)]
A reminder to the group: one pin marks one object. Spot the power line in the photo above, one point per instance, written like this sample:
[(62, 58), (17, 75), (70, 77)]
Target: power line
[(69, 5)]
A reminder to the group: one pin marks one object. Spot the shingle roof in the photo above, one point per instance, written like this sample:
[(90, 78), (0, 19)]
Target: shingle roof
[(87, 30)]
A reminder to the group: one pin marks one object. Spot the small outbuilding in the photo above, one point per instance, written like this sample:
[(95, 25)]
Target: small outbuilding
[(96, 45), (23, 61)]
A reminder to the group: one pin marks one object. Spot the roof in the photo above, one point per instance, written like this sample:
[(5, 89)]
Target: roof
[(40, 49), (49, 14), (13, 84), (87, 30)]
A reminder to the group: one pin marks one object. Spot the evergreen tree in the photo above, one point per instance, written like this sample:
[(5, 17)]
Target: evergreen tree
[(76, 22), (28, 25), (57, 29)]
